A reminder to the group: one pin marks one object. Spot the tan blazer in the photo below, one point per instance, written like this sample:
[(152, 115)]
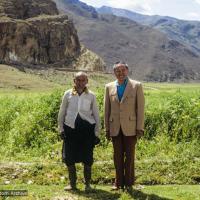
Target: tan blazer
[(129, 113)]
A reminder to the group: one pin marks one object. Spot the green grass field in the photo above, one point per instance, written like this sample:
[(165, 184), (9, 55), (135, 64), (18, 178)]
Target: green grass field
[(101, 192), (167, 158)]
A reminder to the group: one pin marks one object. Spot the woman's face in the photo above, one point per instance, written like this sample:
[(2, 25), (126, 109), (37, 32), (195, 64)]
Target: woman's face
[(121, 72)]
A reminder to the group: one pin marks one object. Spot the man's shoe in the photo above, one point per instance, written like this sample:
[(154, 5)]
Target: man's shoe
[(88, 188), (129, 189), (115, 188), (70, 188), (138, 187)]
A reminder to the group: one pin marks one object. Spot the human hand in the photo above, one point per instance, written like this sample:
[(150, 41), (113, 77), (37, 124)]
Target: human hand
[(62, 135), (96, 140), (108, 135), (139, 133)]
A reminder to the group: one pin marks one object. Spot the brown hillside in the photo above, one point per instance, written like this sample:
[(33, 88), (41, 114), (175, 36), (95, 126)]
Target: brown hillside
[(150, 54)]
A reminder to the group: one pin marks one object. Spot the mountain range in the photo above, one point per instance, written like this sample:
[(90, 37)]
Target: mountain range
[(186, 32), (151, 54)]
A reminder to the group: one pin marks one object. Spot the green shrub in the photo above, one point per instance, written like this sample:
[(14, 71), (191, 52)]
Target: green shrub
[(28, 121), (178, 117), (169, 153)]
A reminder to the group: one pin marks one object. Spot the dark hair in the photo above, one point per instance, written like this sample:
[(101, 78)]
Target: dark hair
[(120, 62)]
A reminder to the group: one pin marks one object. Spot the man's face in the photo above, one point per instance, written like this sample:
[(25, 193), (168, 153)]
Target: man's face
[(121, 72), (81, 82)]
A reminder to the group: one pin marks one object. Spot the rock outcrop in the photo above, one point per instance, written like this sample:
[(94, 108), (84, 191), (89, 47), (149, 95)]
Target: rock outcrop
[(88, 60), (24, 9), (32, 33), (39, 40)]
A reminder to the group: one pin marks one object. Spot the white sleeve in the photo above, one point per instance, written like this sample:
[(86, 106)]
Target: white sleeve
[(95, 112), (62, 112)]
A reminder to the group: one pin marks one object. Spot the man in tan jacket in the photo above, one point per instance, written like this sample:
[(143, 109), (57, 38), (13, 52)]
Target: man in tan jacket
[(124, 122)]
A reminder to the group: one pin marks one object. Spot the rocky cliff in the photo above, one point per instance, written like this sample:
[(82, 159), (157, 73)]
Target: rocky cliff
[(39, 40), (32, 33), (88, 60), (24, 9)]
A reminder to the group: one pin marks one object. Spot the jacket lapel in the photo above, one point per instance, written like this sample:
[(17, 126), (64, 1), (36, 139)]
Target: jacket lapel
[(114, 92)]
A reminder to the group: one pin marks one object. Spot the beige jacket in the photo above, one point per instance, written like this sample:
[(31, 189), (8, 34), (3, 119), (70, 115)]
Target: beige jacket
[(129, 113)]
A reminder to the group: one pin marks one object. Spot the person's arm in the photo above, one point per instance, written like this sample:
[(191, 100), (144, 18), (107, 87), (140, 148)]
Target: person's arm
[(62, 113), (95, 111), (107, 109), (140, 111)]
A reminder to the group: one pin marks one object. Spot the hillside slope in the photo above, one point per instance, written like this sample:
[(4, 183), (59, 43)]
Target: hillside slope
[(186, 32), (150, 54), (14, 79)]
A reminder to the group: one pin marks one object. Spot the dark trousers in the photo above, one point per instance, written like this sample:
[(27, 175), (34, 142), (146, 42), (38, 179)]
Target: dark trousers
[(124, 156), (78, 143)]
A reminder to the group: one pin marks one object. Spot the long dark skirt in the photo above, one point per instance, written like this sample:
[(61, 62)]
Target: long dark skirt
[(78, 143)]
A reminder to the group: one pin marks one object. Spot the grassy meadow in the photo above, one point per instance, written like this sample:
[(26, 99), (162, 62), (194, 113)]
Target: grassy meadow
[(167, 158)]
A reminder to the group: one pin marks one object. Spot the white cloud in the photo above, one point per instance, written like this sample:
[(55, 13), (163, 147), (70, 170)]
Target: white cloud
[(95, 3), (193, 16), (187, 9), (142, 6), (197, 1)]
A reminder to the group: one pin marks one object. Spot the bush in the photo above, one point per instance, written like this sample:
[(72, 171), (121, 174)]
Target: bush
[(168, 154), (31, 121), (178, 118)]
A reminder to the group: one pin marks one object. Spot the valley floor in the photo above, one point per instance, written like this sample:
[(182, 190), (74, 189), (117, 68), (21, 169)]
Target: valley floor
[(164, 172), (102, 192)]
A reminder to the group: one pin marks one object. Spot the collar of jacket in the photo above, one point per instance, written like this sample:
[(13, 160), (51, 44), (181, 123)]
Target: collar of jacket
[(74, 91), (124, 83), (126, 91)]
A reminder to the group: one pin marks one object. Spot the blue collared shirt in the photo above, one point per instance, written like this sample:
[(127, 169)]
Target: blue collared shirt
[(121, 88)]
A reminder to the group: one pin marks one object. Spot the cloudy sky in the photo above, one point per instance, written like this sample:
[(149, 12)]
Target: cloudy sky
[(181, 9)]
